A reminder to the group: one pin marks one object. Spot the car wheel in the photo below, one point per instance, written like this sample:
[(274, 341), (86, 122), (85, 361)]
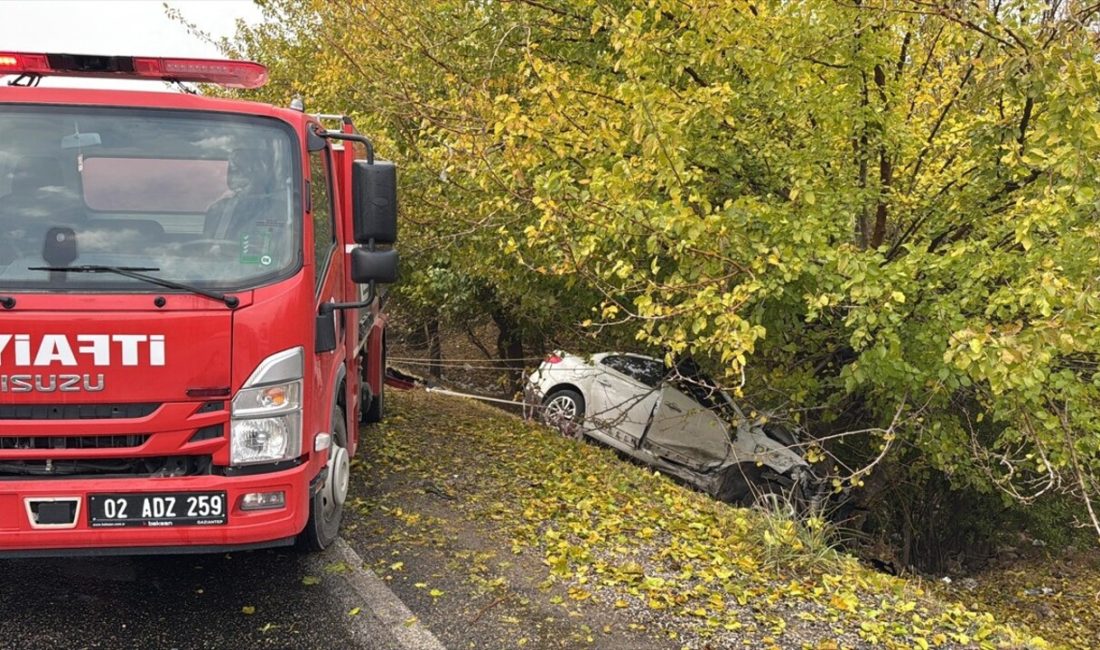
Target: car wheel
[(772, 497), (326, 508), (744, 485), (564, 410)]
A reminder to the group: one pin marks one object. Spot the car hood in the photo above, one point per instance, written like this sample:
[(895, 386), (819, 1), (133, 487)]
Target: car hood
[(752, 444)]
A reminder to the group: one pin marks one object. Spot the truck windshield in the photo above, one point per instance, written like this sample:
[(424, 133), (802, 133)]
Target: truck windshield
[(207, 199)]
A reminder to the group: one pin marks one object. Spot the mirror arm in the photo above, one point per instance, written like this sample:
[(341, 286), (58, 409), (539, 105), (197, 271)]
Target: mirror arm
[(329, 307), (354, 137)]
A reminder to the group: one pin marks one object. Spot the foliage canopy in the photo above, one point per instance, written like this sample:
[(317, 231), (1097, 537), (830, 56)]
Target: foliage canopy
[(886, 214)]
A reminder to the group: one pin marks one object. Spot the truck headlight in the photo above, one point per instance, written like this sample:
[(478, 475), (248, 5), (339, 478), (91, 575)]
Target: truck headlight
[(266, 424)]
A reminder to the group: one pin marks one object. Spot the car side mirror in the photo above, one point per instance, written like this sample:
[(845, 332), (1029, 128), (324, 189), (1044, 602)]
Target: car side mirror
[(374, 266), (374, 201)]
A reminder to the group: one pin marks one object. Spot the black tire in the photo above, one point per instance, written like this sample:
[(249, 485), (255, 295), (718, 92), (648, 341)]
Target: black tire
[(744, 485), (736, 484), (770, 496), (564, 409), (376, 411), (325, 510)]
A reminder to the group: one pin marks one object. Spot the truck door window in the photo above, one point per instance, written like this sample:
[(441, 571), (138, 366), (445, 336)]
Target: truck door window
[(320, 199)]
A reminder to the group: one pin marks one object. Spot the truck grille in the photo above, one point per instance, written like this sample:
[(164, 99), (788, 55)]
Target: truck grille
[(75, 411), (157, 466), (72, 442)]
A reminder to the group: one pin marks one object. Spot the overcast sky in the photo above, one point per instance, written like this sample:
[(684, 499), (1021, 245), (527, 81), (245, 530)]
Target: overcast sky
[(132, 27)]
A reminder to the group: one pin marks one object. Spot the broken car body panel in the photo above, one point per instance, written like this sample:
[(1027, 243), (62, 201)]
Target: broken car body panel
[(631, 404)]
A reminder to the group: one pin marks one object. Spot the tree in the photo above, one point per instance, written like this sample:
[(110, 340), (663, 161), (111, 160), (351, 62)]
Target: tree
[(885, 215), (420, 81)]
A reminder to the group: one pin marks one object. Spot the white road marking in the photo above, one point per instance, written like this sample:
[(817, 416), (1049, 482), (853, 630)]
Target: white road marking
[(397, 618)]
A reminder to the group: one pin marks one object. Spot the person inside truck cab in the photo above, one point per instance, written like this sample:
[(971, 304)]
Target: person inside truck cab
[(251, 224), (249, 178)]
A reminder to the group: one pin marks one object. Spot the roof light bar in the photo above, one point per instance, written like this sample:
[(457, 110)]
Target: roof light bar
[(228, 73)]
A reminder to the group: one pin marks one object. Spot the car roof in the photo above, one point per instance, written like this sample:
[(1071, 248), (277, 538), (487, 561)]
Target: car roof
[(603, 355)]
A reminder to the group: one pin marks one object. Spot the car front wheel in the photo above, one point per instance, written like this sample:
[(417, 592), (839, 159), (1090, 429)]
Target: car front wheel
[(745, 485), (773, 498)]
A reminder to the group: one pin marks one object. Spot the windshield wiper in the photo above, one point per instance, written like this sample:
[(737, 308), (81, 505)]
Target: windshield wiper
[(135, 272)]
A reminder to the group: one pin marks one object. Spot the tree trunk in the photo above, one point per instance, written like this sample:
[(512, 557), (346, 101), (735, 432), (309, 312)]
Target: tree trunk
[(435, 348), (509, 347)]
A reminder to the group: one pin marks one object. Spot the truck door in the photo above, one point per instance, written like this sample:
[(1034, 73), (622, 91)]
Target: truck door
[(328, 265)]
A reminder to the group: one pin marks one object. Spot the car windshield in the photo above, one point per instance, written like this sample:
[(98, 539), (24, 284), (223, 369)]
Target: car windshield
[(207, 199)]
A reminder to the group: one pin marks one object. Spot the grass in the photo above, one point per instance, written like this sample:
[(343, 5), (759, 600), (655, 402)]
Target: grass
[(609, 532)]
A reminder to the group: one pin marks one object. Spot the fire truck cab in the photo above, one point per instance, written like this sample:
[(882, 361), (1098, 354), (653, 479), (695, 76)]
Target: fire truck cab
[(190, 322)]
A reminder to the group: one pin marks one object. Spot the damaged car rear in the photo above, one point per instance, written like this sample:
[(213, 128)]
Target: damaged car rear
[(678, 421)]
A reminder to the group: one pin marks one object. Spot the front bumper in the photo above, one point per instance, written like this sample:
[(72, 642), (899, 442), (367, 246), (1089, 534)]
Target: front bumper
[(244, 529)]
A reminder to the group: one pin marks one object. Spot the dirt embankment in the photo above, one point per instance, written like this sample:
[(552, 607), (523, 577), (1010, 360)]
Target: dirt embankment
[(499, 533)]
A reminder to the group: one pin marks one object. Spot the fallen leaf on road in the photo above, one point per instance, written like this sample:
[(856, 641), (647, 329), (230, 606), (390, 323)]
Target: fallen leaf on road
[(336, 567)]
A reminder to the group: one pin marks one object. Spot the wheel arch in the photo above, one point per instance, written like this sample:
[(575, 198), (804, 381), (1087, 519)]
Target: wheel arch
[(376, 342), (564, 385), (340, 400)]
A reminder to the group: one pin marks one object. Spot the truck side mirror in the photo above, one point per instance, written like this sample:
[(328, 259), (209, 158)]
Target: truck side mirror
[(373, 266), (374, 201)]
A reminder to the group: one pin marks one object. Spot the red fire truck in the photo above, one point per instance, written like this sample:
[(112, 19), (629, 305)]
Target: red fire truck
[(190, 331)]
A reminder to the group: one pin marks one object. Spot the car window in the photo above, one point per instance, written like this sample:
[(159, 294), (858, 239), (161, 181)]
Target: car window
[(647, 371), (689, 379)]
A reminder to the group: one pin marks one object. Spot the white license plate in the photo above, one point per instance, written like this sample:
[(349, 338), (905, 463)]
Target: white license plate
[(160, 510)]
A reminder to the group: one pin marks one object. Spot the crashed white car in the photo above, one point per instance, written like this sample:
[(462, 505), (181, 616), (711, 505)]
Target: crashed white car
[(675, 420)]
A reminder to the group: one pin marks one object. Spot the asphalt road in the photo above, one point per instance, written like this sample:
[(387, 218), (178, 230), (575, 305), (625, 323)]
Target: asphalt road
[(245, 600)]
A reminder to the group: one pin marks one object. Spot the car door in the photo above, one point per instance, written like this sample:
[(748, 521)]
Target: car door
[(623, 394), (685, 432)]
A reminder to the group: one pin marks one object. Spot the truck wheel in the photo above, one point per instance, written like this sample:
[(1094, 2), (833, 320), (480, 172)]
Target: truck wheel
[(377, 409), (326, 509)]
